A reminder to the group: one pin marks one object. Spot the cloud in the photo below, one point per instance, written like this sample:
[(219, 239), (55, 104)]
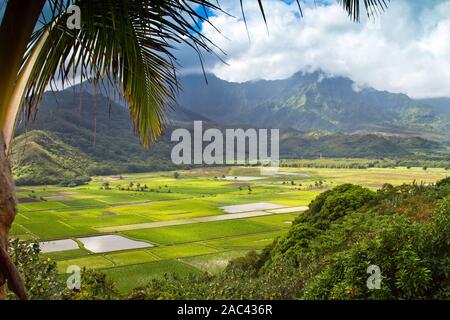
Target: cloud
[(406, 49)]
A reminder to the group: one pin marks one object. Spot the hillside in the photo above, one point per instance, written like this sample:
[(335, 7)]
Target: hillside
[(331, 250), (40, 157), (439, 105), (78, 134), (312, 102), (295, 144)]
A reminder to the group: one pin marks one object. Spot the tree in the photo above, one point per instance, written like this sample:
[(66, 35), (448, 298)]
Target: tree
[(124, 43)]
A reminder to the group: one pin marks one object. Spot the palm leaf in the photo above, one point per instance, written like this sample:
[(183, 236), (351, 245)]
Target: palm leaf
[(129, 43), (126, 43), (372, 7)]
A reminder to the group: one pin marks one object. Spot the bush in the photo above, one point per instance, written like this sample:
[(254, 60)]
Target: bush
[(327, 252), (95, 285), (334, 204), (76, 181), (444, 182), (413, 259), (40, 275), (42, 281)]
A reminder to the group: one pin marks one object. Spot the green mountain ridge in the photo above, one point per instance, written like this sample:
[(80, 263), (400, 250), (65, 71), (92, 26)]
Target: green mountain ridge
[(41, 157), (295, 144), (77, 134), (312, 101)]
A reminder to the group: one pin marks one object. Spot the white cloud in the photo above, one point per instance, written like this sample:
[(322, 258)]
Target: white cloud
[(407, 49)]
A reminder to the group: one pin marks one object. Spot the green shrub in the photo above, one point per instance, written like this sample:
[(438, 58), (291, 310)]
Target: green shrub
[(413, 258), (40, 275), (334, 204), (327, 252), (95, 285), (42, 281)]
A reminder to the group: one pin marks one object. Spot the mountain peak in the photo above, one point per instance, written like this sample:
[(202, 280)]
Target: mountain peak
[(309, 101)]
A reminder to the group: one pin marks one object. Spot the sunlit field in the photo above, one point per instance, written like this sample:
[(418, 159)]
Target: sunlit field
[(181, 215)]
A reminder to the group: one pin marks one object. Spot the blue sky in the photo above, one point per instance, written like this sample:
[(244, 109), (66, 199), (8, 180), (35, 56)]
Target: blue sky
[(2, 8), (47, 11), (406, 49)]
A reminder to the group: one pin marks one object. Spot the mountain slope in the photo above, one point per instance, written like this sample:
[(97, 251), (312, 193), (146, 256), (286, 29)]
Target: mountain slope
[(77, 134), (294, 144), (310, 102), (40, 157), (95, 125), (439, 105)]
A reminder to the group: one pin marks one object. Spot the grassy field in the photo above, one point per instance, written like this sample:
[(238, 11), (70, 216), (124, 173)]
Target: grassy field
[(51, 213)]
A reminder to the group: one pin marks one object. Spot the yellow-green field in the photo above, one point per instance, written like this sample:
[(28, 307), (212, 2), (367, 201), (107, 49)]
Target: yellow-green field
[(186, 242)]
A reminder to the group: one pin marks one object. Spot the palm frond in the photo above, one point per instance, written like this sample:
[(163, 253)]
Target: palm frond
[(353, 8), (129, 44), (126, 43), (372, 7)]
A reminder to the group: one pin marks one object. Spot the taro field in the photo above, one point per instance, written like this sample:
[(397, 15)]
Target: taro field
[(136, 227)]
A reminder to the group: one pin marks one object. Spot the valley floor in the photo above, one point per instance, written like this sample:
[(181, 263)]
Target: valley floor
[(185, 218)]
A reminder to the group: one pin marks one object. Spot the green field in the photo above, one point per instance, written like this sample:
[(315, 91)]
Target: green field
[(129, 277), (198, 232), (52, 213)]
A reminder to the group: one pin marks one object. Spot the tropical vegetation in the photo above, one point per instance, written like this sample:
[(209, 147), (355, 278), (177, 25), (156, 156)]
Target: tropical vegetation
[(403, 230), (127, 43)]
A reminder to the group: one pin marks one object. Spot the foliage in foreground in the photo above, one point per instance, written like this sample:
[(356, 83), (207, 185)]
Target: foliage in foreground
[(43, 282), (404, 230), (40, 275)]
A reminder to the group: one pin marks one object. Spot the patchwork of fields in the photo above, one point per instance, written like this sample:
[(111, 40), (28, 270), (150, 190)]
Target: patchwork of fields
[(192, 223)]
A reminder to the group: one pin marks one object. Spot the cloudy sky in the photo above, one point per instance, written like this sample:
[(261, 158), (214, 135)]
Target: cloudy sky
[(406, 49)]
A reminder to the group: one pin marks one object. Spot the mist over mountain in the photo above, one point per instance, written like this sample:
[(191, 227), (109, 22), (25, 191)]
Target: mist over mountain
[(312, 101)]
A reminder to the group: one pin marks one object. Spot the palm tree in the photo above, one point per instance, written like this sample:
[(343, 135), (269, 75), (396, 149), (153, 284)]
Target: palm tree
[(126, 43)]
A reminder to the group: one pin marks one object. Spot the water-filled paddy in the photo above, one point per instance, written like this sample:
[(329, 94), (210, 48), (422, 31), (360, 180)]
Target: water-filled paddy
[(195, 223), (251, 207), (108, 243), (58, 245), (242, 178)]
